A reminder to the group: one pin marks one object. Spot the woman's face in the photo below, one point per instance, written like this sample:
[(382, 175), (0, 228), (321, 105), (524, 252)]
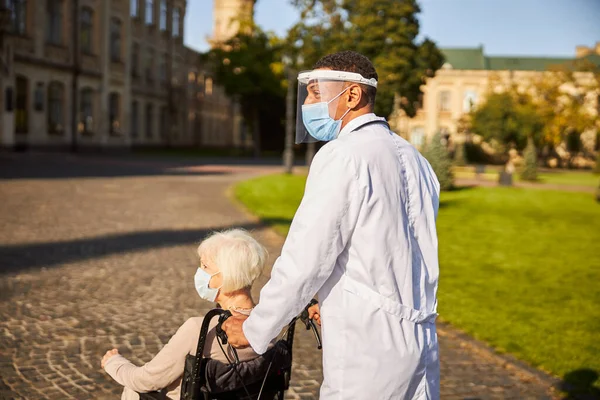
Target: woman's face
[(209, 267)]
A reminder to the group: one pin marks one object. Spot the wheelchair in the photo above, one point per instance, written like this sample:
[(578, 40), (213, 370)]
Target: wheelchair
[(266, 377)]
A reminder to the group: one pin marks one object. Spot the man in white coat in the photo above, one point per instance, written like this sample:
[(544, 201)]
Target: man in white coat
[(364, 239)]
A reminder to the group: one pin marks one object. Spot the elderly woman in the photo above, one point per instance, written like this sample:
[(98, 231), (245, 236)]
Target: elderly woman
[(230, 262)]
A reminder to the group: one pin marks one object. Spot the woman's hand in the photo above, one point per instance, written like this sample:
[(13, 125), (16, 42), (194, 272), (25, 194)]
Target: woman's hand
[(107, 356), (313, 313)]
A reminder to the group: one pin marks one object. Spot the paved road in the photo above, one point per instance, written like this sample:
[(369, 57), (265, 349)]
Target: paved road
[(100, 252)]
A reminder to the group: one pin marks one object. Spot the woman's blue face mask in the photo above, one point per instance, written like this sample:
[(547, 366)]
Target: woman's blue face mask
[(317, 121)]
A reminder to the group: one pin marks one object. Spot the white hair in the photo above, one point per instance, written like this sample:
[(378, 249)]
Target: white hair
[(238, 256)]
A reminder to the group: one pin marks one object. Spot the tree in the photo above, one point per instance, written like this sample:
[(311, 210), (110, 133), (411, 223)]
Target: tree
[(562, 99), (460, 158), (436, 153), (383, 30), (509, 118), (529, 172), (249, 68)]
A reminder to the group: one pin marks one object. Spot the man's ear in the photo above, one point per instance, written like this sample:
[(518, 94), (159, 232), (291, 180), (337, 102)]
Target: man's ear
[(354, 97)]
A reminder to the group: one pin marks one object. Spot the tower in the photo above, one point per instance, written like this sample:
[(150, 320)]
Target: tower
[(226, 17)]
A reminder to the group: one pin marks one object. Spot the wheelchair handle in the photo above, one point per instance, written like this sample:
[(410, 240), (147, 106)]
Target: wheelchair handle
[(223, 336)]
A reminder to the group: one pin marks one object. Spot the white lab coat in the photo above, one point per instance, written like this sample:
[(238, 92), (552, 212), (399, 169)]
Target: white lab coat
[(364, 238)]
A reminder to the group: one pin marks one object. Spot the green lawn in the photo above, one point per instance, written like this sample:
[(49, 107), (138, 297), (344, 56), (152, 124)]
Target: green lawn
[(520, 269)]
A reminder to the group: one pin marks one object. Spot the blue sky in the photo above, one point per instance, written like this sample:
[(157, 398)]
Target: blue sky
[(503, 27)]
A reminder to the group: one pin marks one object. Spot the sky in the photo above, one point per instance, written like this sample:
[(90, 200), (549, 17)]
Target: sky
[(503, 27)]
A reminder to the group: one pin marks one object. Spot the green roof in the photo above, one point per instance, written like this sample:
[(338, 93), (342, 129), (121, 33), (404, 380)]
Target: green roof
[(475, 59)]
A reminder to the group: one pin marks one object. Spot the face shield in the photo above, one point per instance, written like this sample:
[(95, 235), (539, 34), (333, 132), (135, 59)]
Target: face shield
[(319, 94)]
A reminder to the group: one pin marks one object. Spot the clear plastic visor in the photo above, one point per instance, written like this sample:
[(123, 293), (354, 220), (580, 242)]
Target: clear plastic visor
[(314, 91)]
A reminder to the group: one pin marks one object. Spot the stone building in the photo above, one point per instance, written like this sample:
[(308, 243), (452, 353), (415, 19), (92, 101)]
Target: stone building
[(119, 77), (462, 83)]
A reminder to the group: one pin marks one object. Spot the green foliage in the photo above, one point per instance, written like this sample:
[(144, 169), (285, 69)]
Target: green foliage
[(511, 275), (597, 167), (383, 30), (508, 118), (529, 172), (437, 154), (249, 68)]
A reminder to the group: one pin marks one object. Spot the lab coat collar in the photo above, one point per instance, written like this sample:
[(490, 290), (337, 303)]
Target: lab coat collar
[(357, 122)]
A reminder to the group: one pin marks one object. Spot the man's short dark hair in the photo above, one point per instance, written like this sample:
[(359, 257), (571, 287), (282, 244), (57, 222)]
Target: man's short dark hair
[(351, 61)]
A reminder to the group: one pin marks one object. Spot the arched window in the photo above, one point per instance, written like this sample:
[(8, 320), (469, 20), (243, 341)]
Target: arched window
[(56, 108), (163, 122), (135, 127), (135, 59), (176, 22), (86, 30), (469, 100), (22, 103), (18, 16), (444, 100), (149, 120), (114, 113), (86, 111), (115, 39), (163, 15), (134, 8), (162, 68), (149, 12), (54, 23)]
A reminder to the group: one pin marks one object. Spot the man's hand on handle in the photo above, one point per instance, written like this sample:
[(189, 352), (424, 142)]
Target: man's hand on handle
[(314, 313), (235, 335)]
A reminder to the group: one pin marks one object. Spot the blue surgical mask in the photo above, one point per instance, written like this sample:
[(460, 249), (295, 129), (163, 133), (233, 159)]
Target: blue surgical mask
[(201, 281), (318, 122)]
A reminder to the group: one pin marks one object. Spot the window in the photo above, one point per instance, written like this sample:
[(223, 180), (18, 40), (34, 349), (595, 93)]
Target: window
[(469, 100), (149, 12), (135, 59), (149, 117), (18, 16), (208, 86), (86, 111), (22, 100), (163, 15), (114, 113), (176, 22), (445, 100), (417, 136), (56, 109), (134, 8), (85, 33), (148, 64), (163, 122), (115, 40), (162, 68), (54, 21), (134, 119), (38, 97)]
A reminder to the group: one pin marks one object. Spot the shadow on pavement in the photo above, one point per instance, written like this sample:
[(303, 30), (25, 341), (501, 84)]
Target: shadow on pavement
[(16, 258)]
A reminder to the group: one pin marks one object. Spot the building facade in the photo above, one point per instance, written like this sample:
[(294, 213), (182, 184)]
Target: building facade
[(120, 76), (462, 83)]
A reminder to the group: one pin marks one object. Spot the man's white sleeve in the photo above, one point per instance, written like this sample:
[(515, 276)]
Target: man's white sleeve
[(318, 234)]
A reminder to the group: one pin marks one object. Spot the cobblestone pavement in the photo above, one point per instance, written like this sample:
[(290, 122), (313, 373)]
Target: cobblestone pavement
[(96, 253)]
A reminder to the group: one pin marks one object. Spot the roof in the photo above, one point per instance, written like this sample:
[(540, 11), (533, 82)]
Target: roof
[(475, 59)]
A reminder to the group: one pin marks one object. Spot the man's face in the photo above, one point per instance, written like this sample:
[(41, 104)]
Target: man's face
[(325, 91)]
